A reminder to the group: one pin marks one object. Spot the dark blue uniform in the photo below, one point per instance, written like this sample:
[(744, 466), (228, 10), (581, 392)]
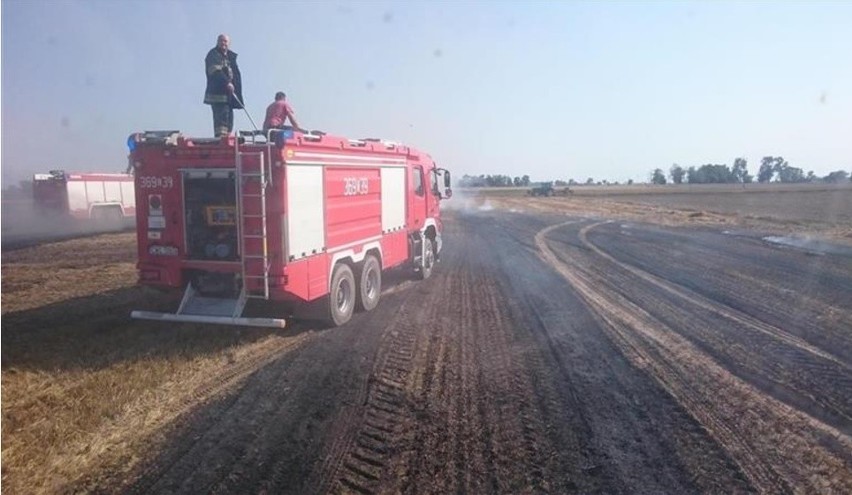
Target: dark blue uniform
[(222, 69)]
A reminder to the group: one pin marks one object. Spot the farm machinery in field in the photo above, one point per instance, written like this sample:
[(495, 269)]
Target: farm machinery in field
[(546, 189)]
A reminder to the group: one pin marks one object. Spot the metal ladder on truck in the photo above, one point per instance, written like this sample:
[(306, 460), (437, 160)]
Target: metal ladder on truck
[(252, 183)]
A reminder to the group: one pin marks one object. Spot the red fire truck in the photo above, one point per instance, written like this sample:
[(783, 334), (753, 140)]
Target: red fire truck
[(290, 216), (108, 198)]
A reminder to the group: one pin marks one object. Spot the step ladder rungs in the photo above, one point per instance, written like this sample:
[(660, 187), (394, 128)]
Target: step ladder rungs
[(251, 166)]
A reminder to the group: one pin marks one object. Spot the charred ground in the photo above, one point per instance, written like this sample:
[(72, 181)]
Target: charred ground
[(551, 352)]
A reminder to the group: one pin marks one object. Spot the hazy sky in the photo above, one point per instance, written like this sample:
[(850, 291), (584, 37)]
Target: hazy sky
[(608, 90)]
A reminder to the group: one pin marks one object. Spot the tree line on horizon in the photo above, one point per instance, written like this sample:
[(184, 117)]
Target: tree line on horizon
[(483, 180), (772, 169)]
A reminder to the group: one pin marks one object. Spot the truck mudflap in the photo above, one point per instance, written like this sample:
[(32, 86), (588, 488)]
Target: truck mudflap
[(216, 320)]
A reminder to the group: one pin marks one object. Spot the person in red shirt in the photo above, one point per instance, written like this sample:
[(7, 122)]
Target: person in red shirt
[(278, 112)]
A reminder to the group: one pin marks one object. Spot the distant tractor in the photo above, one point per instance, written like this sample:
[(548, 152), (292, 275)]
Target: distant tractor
[(543, 189)]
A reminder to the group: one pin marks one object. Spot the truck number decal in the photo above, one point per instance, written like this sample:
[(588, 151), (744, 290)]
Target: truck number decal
[(353, 186), (154, 182)]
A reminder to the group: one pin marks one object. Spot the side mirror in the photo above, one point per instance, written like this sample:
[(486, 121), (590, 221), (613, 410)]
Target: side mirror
[(448, 193)]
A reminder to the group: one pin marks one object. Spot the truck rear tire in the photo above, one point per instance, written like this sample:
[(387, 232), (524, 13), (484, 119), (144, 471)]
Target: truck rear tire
[(428, 261), (341, 298), (370, 283)]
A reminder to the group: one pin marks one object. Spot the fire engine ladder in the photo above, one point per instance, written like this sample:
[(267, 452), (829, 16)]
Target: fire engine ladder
[(252, 183)]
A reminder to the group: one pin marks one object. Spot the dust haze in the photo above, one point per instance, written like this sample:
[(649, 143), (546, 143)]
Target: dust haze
[(23, 224)]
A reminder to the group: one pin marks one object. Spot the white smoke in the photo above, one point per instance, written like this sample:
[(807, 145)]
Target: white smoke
[(811, 244)]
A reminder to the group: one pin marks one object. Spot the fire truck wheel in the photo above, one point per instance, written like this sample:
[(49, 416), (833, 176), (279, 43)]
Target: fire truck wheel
[(341, 300), (370, 283), (428, 259)]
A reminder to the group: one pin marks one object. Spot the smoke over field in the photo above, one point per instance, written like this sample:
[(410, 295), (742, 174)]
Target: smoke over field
[(24, 224)]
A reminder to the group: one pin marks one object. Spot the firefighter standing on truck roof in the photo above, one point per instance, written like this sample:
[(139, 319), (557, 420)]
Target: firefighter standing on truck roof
[(224, 85)]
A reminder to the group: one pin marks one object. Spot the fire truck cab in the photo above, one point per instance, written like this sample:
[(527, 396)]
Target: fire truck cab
[(287, 216)]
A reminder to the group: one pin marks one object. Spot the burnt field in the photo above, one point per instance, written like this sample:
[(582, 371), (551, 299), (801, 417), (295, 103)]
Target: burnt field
[(821, 209), (563, 345)]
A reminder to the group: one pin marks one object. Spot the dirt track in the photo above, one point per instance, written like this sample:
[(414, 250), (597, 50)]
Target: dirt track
[(547, 354)]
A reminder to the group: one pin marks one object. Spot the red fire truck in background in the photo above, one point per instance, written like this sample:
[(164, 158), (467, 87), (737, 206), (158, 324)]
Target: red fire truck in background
[(289, 216), (106, 198)]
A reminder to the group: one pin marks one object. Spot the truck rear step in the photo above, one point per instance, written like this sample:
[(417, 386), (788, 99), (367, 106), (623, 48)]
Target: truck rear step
[(202, 309)]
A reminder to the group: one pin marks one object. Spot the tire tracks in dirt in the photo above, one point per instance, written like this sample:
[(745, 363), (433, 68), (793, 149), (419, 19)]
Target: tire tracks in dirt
[(776, 446), (724, 331), (615, 430), (702, 302), (365, 450), (482, 394), (361, 463), (803, 294), (496, 429), (449, 406)]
